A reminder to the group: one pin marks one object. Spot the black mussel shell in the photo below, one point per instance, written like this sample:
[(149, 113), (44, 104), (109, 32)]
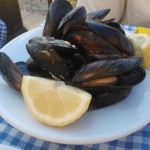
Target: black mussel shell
[(132, 78), (116, 26), (48, 59), (99, 14), (36, 70), (64, 48), (57, 10), (9, 71), (106, 68), (75, 17), (115, 37), (92, 44), (108, 98)]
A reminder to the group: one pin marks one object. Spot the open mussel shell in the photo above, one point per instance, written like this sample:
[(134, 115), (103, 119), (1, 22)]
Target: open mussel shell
[(116, 26), (92, 44), (36, 70), (48, 59), (108, 98), (63, 48), (99, 14), (105, 68), (57, 10), (9, 71), (132, 78), (115, 37), (106, 95), (75, 17)]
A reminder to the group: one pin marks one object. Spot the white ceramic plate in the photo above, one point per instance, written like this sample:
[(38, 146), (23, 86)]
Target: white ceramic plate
[(95, 126)]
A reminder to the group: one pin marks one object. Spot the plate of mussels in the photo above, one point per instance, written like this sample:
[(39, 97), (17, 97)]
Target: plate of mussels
[(94, 55)]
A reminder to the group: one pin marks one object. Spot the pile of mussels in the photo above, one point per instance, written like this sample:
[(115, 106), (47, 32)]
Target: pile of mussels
[(82, 50)]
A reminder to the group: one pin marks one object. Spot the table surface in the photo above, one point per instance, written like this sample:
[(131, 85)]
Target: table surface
[(139, 140)]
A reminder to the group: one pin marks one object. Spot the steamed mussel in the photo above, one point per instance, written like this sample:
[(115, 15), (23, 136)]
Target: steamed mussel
[(82, 50)]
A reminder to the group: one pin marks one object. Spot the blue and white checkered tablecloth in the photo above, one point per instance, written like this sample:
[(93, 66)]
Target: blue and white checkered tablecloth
[(3, 33), (139, 140)]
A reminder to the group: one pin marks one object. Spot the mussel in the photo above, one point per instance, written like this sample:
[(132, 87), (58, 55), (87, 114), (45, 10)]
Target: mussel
[(36, 70), (75, 17), (99, 14), (110, 97), (105, 69), (47, 58), (115, 37), (57, 10), (9, 71), (92, 45)]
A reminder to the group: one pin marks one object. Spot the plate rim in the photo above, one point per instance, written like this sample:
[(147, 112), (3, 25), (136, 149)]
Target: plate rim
[(16, 124)]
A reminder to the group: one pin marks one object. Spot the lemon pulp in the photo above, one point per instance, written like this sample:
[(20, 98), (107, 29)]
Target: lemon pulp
[(141, 43), (53, 102)]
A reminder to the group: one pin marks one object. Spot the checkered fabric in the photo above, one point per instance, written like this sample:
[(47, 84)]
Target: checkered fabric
[(140, 140), (3, 33)]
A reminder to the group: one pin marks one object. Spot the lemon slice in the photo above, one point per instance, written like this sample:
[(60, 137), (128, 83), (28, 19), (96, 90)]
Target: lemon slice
[(53, 102), (141, 43), (142, 30)]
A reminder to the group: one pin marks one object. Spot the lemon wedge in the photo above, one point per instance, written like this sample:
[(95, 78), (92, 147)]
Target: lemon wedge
[(142, 30), (141, 43), (53, 102)]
